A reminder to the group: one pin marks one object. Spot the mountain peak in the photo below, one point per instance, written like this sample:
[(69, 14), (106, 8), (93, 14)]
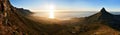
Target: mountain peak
[(101, 15), (103, 10)]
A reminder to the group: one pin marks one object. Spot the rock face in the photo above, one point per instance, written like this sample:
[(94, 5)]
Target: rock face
[(12, 22)]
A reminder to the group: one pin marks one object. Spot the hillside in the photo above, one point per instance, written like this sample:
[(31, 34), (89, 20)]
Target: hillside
[(18, 21), (13, 21)]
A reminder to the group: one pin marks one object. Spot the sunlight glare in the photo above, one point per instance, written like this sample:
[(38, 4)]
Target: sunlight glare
[(51, 14)]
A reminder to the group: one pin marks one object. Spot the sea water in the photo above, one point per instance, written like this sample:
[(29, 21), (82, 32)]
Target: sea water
[(69, 14)]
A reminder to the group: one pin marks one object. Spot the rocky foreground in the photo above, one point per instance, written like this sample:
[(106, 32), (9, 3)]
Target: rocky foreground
[(16, 21)]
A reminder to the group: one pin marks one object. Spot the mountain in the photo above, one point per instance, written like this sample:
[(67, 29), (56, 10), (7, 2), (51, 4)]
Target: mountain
[(106, 18), (17, 21), (103, 16), (13, 20)]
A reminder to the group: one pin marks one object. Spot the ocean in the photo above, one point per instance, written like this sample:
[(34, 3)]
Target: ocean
[(69, 14)]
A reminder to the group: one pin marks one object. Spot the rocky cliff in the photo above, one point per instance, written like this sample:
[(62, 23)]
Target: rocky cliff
[(12, 21)]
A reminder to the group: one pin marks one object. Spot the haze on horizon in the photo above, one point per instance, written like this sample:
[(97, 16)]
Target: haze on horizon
[(68, 5)]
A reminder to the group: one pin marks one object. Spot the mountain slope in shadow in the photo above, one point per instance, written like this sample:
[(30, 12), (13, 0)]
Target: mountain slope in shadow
[(105, 17), (102, 16)]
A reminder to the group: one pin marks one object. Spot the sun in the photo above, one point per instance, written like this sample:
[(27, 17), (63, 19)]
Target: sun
[(51, 10)]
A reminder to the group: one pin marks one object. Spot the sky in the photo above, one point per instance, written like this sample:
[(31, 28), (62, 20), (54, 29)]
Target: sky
[(68, 5)]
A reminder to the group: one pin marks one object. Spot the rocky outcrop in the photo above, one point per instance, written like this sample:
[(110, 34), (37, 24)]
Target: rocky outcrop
[(12, 21)]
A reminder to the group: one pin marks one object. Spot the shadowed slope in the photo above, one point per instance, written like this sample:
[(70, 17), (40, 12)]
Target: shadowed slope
[(102, 16)]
